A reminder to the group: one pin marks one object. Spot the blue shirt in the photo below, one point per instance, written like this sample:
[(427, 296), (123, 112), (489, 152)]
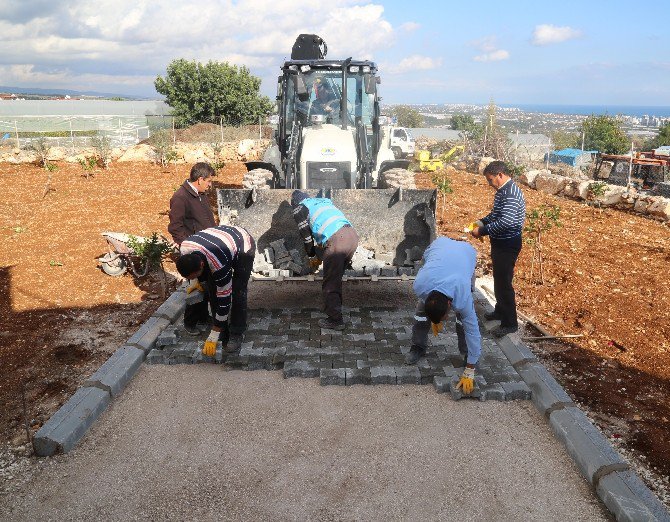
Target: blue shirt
[(449, 268), (509, 212)]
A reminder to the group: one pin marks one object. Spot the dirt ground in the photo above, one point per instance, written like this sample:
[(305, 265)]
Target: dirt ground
[(61, 316)]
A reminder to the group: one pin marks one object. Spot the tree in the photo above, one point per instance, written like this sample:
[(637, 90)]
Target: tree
[(662, 138), (462, 122), (212, 92), (565, 140), (407, 117), (604, 134)]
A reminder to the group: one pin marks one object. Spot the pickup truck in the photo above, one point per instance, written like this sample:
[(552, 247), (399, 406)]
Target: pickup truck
[(402, 142)]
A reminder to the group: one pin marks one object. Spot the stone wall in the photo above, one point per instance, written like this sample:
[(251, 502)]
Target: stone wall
[(244, 150)]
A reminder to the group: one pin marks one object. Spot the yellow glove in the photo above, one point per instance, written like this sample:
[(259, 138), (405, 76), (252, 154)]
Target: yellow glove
[(437, 328), (471, 226), (314, 262), (209, 348), (467, 381), (195, 286)]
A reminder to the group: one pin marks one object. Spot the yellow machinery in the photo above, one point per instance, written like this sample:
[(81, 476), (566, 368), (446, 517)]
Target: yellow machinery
[(428, 164)]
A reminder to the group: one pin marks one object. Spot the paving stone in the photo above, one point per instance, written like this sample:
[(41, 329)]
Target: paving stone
[(168, 337), (442, 383), (383, 375), (173, 306), (587, 446), (357, 376), (493, 392), (117, 371), (236, 361), (301, 369), (145, 337), (516, 391), (155, 356), (334, 376), (408, 375), (64, 429), (628, 499), (359, 337)]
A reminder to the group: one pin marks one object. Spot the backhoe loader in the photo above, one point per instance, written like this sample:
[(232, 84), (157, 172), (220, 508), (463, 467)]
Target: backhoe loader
[(331, 142)]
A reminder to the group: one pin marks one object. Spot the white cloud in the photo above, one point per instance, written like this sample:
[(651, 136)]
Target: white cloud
[(80, 38), (489, 51), (415, 62), (493, 56), (546, 34), (409, 27)]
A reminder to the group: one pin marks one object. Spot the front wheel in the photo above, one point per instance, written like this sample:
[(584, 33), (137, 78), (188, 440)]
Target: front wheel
[(397, 152), (113, 266)]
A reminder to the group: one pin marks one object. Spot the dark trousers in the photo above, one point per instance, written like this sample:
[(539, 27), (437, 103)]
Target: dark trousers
[(422, 327), (503, 257), (337, 253)]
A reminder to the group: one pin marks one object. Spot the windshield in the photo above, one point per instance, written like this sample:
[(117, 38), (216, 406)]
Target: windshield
[(324, 88)]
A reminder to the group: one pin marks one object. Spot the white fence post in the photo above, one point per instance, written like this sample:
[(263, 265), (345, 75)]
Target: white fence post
[(260, 129), (221, 125), (16, 132)]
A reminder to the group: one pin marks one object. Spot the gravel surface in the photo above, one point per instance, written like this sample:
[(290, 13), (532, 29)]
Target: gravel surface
[(202, 443)]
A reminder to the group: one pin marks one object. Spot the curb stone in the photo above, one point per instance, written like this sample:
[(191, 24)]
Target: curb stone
[(117, 371), (620, 488)]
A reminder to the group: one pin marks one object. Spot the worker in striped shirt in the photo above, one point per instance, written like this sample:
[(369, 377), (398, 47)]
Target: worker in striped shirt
[(223, 257), (503, 226), (327, 235)]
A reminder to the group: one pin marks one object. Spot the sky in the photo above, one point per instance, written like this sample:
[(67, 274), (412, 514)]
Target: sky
[(434, 51)]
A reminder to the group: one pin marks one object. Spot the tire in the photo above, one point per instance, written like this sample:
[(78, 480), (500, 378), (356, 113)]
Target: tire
[(114, 268), (397, 152), (259, 178), (398, 178)]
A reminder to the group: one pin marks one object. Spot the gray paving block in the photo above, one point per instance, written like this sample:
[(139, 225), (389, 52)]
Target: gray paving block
[(516, 391), (173, 306), (62, 431), (194, 297), (408, 375), (442, 383), (546, 390), (627, 497), (155, 356), (301, 369), (117, 371), (168, 337), (382, 375), (145, 337), (492, 392), (330, 377), (357, 376), (586, 445)]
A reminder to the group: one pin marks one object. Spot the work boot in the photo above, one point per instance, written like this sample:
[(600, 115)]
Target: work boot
[(330, 324), (234, 343), (192, 330), (502, 331), (415, 353), (491, 316)]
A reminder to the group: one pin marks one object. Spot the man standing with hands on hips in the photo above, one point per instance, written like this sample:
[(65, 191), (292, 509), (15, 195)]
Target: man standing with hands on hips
[(504, 226)]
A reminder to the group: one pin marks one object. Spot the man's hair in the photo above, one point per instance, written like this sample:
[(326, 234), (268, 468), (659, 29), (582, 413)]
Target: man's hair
[(188, 264), (496, 167), (201, 170), (437, 305), (297, 197)]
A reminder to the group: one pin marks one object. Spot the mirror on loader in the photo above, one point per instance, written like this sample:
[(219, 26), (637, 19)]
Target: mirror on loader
[(370, 83), (301, 87)]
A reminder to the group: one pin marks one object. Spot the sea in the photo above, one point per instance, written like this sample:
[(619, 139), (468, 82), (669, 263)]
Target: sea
[(660, 111)]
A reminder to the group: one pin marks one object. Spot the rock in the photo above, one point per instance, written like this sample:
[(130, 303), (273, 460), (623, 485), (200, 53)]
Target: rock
[(659, 207), (139, 152), (550, 183), (483, 163), (528, 178), (613, 195)]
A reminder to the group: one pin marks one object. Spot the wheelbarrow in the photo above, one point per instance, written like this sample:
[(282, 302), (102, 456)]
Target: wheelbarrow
[(121, 257)]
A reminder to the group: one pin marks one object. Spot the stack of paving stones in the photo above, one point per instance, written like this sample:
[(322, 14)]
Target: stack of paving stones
[(371, 350)]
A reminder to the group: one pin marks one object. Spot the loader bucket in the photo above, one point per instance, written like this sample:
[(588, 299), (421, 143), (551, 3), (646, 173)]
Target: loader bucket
[(390, 223)]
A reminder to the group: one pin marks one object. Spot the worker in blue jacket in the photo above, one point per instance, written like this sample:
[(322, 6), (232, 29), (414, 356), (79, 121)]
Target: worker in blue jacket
[(327, 235), (446, 281)]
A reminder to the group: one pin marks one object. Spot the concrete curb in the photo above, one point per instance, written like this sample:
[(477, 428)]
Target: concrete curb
[(620, 489), (65, 427)]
